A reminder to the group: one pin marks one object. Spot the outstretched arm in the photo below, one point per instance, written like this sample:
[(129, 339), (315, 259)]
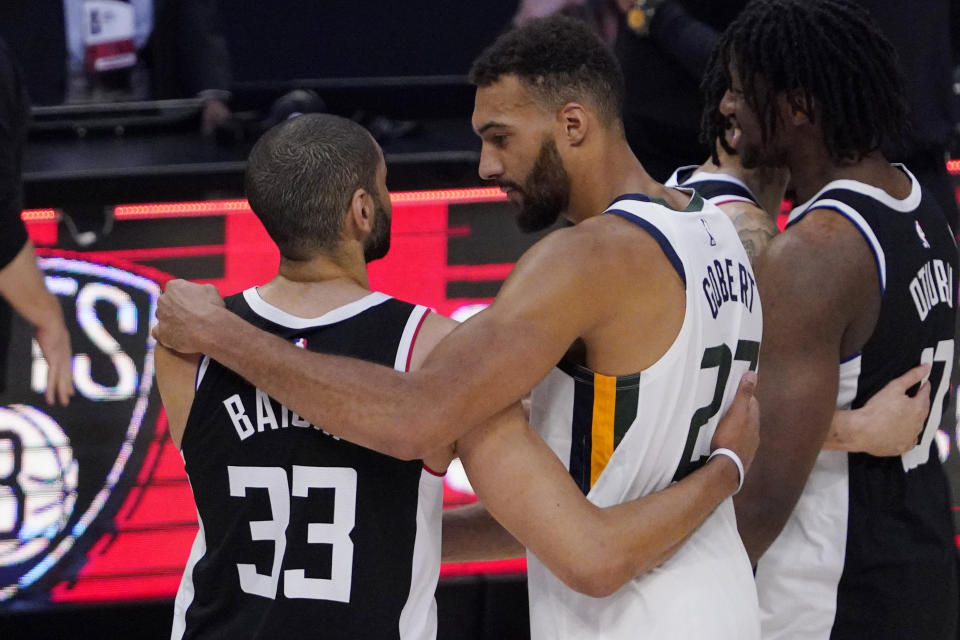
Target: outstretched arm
[(483, 366), (593, 550)]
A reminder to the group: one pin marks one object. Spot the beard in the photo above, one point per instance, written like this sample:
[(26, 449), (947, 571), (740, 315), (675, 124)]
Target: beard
[(546, 191), (378, 242)]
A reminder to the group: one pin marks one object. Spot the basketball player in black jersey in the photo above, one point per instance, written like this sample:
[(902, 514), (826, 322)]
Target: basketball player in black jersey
[(548, 113), (301, 531), (858, 289), (889, 423)]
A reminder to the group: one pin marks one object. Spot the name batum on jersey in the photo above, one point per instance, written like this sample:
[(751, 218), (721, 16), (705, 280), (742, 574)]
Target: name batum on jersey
[(266, 415), (932, 285), (730, 281)]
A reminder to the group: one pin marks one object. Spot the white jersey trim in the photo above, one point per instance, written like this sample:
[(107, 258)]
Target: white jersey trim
[(418, 618), (278, 316), (906, 205), (674, 179), (647, 212), (860, 223), (704, 176), (201, 371), (798, 577), (409, 337), (728, 198), (186, 591)]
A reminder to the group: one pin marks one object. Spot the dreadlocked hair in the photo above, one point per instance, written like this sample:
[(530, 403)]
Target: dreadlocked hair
[(559, 59), (713, 124), (831, 54)]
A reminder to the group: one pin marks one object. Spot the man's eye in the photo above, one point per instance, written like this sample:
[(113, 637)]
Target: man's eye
[(500, 140)]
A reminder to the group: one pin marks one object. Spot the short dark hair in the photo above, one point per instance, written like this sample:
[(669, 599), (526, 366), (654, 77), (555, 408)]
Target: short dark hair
[(560, 60), (832, 52), (301, 176)]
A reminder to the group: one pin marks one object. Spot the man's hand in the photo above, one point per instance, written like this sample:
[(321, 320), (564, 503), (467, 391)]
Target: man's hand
[(182, 314), (54, 341), (739, 430), (889, 423)]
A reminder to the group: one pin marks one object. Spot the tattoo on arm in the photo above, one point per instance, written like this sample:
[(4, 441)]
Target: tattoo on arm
[(755, 234)]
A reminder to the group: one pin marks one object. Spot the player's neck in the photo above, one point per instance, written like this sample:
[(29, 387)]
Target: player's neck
[(311, 288), (600, 180), (324, 268)]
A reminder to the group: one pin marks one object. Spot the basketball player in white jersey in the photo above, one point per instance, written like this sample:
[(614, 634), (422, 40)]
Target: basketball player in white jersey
[(299, 176), (651, 307)]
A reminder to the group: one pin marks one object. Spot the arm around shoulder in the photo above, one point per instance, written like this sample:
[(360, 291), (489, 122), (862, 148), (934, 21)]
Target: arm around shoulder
[(593, 550)]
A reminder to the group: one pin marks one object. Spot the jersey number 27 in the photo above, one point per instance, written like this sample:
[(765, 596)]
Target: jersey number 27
[(720, 358)]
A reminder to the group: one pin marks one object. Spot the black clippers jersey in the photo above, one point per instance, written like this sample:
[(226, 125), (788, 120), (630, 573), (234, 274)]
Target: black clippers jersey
[(303, 534), (715, 188), (873, 537)]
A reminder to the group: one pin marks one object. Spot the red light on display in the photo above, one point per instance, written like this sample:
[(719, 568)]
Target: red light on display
[(482, 194), (220, 207), (38, 215), (180, 209), (953, 166)]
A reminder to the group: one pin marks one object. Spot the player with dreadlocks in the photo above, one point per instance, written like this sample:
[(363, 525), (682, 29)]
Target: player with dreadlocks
[(889, 422), (858, 289)]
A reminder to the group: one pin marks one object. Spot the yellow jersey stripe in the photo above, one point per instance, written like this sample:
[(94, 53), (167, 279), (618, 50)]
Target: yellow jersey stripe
[(604, 413)]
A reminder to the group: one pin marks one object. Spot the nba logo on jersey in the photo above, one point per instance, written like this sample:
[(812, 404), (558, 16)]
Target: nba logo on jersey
[(300, 342), (921, 234), (713, 241)]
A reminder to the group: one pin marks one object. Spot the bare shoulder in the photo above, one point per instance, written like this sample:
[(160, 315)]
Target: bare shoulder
[(820, 266), (435, 328), (578, 266), (597, 244), (176, 373), (822, 242)]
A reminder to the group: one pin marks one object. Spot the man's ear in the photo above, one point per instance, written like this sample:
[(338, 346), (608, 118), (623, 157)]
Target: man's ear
[(361, 210), (574, 122), (800, 106)]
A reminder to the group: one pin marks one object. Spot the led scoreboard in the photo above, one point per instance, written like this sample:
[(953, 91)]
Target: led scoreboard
[(94, 501)]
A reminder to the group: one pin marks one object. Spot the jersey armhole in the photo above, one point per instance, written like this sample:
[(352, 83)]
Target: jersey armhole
[(409, 338), (201, 371), (658, 236)]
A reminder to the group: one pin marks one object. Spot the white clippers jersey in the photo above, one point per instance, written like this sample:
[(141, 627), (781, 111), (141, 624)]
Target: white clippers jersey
[(629, 436)]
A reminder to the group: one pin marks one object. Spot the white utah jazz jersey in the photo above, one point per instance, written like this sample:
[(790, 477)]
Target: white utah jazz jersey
[(629, 436)]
